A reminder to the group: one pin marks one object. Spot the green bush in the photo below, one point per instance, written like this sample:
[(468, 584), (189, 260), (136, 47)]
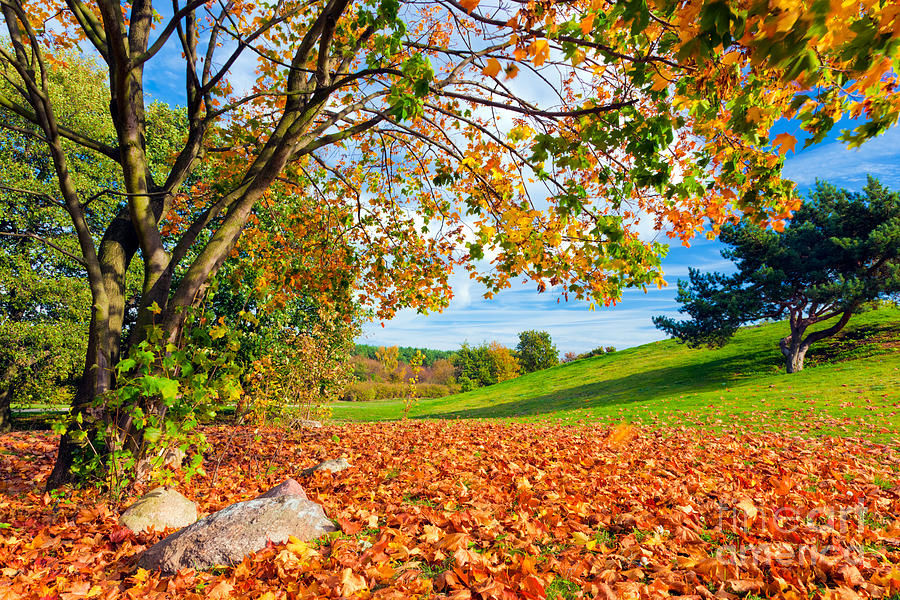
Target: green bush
[(536, 351)]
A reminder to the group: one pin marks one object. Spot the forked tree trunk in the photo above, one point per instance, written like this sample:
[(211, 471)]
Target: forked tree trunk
[(117, 249), (795, 346)]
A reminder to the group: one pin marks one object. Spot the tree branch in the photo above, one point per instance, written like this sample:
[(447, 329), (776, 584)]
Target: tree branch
[(33, 236)]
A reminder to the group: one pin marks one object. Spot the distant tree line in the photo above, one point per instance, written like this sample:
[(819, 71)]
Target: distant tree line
[(384, 372), (404, 353)]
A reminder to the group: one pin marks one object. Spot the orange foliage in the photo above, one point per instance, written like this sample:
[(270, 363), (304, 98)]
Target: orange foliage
[(490, 511), (416, 158)]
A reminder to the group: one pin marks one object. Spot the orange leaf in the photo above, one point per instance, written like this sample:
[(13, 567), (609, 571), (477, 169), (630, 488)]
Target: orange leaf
[(785, 142), (220, 591), (540, 49), (492, 68), (587, 23), (469, 5)]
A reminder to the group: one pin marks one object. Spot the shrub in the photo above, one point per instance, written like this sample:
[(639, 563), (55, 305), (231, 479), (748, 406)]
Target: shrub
[(598, 351), (441, 372)]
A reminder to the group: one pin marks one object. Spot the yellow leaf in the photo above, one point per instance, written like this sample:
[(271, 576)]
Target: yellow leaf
[(142, 575), (587, 24), (492, 68), (469, 5), (660, 83), (512, 71), (95, 590), (540, 49), (754, 114), (785, 21), (520, 132), (580, 538), (731, 58), (785, 142)]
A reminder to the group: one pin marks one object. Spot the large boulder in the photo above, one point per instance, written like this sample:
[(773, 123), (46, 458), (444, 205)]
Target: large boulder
[(332, 464), (158, 509), (227, 536), (288, 487)]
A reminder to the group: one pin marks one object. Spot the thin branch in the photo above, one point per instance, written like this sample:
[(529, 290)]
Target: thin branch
[(65, 132), (33, 236)]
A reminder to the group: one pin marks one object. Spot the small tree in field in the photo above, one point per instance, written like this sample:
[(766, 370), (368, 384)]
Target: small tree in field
[(504, 364), (840, 250), (536, 351)]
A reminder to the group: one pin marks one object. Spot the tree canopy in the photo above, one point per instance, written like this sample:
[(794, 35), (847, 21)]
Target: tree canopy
[(511, 139), (536, 351), (840, 250)]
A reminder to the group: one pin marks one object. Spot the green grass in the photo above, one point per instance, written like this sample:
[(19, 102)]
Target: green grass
[(562, 589), (851, 386)]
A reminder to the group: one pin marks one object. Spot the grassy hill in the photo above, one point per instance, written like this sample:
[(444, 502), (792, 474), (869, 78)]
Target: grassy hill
[(850, 386)]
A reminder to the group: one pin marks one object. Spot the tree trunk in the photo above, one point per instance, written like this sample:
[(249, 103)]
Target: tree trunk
[(5, 408), (794, 351), (95, 380)]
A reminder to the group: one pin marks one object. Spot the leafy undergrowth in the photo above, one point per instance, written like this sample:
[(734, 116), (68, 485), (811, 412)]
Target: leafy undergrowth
[(492, 510)]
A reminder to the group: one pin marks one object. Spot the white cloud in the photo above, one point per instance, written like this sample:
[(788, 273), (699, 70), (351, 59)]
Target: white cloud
[(842, 166)]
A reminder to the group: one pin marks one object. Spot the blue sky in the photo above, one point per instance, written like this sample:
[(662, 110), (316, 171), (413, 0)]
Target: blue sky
[(573, 327)]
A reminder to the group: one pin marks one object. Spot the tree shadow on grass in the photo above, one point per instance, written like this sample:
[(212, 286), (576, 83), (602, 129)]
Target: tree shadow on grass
[(649, 385)]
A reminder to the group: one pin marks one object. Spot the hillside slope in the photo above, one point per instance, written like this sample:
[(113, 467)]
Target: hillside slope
[(852, 384)]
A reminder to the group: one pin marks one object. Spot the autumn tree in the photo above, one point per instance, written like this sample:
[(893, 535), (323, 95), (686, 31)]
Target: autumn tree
[(840, 250), (431, 135), (389, 359), (505, 364), (473, 367), (45, 301)]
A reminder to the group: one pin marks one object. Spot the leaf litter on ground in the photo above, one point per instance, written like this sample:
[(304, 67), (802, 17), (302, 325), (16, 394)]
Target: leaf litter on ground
[(494, 510)]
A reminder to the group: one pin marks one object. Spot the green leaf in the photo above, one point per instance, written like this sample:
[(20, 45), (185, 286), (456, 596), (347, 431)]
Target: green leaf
[(152, 434)]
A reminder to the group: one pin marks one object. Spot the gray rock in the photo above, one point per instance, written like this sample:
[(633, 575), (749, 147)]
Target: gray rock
[(288, 487), (309, 423), (158, 509), (174, 457), (332, 464), (227, 536)]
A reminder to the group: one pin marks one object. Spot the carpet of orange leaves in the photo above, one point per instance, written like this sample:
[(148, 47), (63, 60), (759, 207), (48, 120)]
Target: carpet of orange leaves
[(481, 510)]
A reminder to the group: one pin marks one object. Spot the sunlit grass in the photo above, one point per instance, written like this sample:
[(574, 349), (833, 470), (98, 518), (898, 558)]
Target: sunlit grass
[(852, 386)]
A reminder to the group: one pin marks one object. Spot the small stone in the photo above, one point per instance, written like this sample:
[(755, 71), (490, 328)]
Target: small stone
[(227, 536), (309, 423), (174, 457), (332, 464), (288, 487), (159, 509)]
